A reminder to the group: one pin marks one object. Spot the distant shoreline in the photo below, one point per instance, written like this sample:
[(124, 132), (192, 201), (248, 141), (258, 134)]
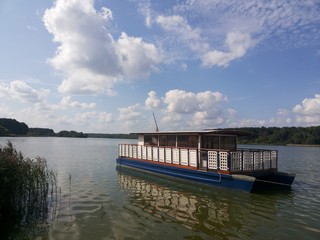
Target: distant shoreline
[(302, 145)]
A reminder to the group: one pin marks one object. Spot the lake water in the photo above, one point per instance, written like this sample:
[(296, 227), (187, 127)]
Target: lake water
[(97, 200)]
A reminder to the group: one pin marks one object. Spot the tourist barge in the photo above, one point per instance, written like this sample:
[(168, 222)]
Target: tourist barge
[(209, 156)]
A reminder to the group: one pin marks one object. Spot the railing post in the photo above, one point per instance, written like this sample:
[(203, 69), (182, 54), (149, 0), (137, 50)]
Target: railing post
[(207, 165), (242, 164), (188, 158), (147, 152), (151, 153), (158, 154), (270, 160), (253, 160), (197, 159)]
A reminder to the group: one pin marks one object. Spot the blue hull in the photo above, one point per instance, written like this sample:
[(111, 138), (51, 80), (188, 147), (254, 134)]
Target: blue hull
[(241, 182)]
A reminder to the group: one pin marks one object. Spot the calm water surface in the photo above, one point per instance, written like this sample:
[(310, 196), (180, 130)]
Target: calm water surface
[(97, 200)]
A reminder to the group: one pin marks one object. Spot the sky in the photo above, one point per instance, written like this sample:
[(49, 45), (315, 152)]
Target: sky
[(105, 66)]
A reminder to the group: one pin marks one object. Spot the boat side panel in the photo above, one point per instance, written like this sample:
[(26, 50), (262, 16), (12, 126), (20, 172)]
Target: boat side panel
[(279, 178), (217, 179)]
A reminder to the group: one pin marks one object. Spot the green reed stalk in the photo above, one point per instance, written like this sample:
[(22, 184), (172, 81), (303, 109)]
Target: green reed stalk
[(24, 188)]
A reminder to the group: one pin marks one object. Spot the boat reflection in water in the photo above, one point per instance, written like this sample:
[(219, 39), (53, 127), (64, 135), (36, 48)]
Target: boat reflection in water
[(219, 213)]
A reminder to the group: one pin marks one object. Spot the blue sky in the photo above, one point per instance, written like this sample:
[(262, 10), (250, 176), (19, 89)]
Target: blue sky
[(106, 65)]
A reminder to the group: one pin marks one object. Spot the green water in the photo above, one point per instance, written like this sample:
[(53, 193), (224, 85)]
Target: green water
[(97, 200)]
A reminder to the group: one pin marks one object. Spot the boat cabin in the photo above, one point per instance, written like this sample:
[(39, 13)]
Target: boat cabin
[(189, 140), (207, 150)]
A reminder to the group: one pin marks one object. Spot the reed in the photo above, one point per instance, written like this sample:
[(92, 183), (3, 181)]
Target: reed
[(25, 187)]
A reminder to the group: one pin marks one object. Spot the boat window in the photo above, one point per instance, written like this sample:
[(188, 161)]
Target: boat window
[(167, 140), (151, 140), (193, 141), (210, 142), (171, 141), (162, 140), (188, 141), (182, 141), (228, 142)]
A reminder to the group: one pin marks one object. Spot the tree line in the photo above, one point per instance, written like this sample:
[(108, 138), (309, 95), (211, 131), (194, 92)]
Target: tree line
[(257, 135), (281, 136), (11, 127)]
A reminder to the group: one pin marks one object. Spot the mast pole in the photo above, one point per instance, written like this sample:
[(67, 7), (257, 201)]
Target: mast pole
[(155, 121)]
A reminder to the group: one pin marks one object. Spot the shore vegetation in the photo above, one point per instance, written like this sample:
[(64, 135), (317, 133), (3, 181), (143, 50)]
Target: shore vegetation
[(25, 187)]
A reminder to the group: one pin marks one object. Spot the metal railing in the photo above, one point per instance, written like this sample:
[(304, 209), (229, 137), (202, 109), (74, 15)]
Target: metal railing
[(241, 160), (178, 156)]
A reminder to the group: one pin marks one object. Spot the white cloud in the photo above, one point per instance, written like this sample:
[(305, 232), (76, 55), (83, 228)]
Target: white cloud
[(93, 121), (67, 103), (285, 21), (308, 112), (247, 123), (180, 101), (282, 118), (138, 58), (152, 101), (179, 26), (88, 55), (130, 113), (145, 10), (130, 117), (218, 32), (194, 110), (237, 45), (6, 112), (19, 90)]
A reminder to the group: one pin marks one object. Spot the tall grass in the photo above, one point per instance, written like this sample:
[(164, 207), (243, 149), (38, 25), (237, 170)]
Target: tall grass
[(25, 186)]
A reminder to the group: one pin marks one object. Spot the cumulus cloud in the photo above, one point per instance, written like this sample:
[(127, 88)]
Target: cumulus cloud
[(180, 101), (91, 59), (180, 109), (130, 116), (137, 57), (93, 120), (129, 113), (237, 45), (194, 110), (66, 102), (152, 101), (179, 26), (308, 112), (283, 118), (19, 90)]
